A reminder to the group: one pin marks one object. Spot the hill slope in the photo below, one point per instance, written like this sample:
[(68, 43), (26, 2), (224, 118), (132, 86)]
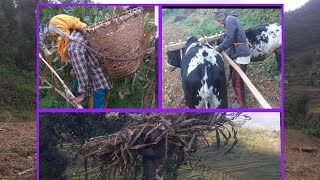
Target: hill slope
[(301, 45)]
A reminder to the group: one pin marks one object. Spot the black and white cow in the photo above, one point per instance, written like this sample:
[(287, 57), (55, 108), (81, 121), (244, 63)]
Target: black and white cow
[(203, 76), (264, 40)]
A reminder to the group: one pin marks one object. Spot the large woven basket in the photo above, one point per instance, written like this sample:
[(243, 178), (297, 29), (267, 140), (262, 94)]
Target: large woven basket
[(118, 42)]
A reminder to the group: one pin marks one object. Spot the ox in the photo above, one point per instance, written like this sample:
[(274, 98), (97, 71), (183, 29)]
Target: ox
[(203, 76), (264, 40)]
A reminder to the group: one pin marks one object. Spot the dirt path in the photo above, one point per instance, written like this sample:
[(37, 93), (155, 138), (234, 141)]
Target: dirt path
[(18, 150), (173, 96), (301, 164)]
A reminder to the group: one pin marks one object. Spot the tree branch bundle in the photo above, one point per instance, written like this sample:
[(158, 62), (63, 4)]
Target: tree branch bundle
[(180, 136)]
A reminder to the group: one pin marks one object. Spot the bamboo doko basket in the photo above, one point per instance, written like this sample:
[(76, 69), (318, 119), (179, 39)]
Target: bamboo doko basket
[(118, 42)]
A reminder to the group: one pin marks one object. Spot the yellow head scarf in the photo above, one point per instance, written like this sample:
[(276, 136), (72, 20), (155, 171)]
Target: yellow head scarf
[(66, 24)]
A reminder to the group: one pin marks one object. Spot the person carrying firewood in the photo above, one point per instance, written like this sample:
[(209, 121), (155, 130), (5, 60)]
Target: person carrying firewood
[(93, 81), (153, 156)]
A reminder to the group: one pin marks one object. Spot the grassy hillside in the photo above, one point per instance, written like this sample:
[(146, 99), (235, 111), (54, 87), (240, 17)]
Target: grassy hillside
[(199, 22), (302, 64), (17, 93), (301, 44)]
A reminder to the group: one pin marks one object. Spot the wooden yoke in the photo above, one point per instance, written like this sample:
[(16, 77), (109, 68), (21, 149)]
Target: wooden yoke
[(181, 45)]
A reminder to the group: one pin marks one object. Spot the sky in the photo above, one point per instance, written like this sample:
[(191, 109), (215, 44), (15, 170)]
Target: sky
[(288, 4)]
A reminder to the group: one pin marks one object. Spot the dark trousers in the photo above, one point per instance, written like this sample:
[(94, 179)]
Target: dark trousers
[(238, 85)]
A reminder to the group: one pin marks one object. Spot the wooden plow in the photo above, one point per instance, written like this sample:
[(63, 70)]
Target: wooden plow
[(244, 77)]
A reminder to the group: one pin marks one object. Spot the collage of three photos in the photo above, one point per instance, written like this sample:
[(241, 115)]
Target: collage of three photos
[(158, 92), (211, 58)]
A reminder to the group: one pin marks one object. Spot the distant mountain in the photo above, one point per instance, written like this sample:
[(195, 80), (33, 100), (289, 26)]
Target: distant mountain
[(302, 44)]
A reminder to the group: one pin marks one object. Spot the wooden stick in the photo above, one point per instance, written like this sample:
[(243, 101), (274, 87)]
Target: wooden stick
[(62, 82), (181, 52), (61, 93), (181, 45), (25, 171), (247, 81), (307, 149), (45, 87)]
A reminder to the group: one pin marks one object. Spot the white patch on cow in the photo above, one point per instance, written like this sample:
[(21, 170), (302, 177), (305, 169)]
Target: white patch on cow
[(199, 59), (273, 34), (191, 46), (206, 94)]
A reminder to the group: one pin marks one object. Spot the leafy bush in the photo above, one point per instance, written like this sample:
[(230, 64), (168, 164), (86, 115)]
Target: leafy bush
[(17, 92), (297, 115)]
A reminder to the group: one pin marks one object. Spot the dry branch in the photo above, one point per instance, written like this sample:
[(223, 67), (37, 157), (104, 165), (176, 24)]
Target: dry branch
[(59, 92), (61, 81), (180, 135), (26, 171), (306, 149)]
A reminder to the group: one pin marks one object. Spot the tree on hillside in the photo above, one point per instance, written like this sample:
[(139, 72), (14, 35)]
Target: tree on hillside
[(17, 33)]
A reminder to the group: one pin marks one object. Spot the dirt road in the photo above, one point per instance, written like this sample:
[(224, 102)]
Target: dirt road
[(173, 96), (301, 164), (18, 150)]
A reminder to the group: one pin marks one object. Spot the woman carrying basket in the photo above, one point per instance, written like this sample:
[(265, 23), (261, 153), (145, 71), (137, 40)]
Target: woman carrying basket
[(92, 80)]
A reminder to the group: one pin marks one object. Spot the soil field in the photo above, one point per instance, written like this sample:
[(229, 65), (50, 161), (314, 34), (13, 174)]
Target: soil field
[(301, 164), (18, 150)]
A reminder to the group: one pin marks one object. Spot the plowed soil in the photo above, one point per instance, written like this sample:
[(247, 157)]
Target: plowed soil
[(301, 164), (18, 150)]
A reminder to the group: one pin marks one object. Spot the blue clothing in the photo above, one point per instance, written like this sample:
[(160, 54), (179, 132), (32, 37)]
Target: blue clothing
[(99, 96)]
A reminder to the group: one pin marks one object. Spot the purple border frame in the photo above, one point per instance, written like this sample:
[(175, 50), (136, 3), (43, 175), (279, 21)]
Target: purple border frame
[(37, 95), (160, 108), (282, 94), (86, 109)]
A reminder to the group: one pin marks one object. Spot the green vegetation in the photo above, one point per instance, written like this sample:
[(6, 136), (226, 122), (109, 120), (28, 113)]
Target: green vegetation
[(200, 22), (17, 94), (298, 115), (268, 68), (256, 148), (142, 94), (17, 59)]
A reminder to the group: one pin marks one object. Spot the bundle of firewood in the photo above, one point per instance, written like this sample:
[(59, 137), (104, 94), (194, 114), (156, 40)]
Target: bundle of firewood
[(180, 133)]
